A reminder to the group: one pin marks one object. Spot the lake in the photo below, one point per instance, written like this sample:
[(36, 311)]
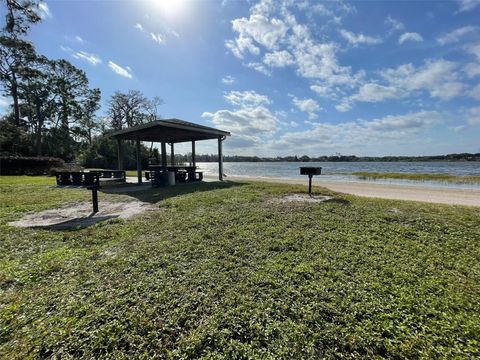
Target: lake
[(340, 170)]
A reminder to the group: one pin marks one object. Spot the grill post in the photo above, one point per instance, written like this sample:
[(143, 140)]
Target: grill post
[(95, 199), (310, 171)]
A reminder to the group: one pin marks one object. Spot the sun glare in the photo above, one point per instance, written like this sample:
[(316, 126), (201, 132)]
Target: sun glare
[(173, 9)]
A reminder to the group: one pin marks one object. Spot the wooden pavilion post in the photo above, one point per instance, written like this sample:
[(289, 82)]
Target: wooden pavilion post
[(220, 158), (193, 153), (139, 162), (172, 154), (164, 155), (119, 155)]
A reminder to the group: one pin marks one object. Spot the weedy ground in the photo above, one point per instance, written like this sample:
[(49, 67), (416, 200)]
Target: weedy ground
[(419, 177), (219, 270)]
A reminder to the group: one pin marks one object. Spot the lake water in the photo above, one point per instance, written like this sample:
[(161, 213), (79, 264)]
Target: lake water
[(341, 170)]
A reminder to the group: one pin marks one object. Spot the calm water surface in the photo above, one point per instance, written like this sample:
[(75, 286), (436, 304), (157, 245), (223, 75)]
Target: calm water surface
[(341, 170)]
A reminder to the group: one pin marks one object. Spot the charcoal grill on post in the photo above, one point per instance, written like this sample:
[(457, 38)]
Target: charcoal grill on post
[(310, 171), (88, 180)]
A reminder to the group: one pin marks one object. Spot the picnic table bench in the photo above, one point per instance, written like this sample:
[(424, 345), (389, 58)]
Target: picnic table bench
[(158, 174)]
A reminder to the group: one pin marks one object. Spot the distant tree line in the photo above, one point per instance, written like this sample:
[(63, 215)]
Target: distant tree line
[(340, 158)]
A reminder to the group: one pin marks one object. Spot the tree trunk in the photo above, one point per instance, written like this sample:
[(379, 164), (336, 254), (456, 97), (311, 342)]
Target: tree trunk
[(38, 135), (16, 109)]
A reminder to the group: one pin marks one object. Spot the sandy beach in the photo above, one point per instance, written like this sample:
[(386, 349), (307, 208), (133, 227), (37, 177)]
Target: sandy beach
[(468, 197)]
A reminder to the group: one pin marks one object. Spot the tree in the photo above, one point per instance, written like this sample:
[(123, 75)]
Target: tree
[(70, 85), (16, 53), (16, 56), (131, 109), (39, 101), (87, 118), (20, 15)]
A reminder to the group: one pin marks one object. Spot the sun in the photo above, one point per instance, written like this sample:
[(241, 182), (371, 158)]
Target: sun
[(173, 9)]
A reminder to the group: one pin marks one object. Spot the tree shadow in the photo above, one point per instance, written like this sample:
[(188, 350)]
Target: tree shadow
[(146, 193)]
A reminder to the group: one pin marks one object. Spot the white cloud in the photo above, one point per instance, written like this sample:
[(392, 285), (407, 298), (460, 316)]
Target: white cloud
[(158, 38), (4, 103), (90, 58), (475, 92), (278, 59), (467, 5), (259, 28), (66, 48), (393, 24), (309, 106), (246, 99), (455, 35), (258, 67), (117, 69), (472, 69), (174, 33), (275, 30), (473, 116), (75, 39), (474, 49), (438, 77), (375, 93), (356, 39), (359, 134), (410, 36), (228, 80), (254, 121), (457, 128), (323, 91), (412, 121), (241, 45), (43, 10)]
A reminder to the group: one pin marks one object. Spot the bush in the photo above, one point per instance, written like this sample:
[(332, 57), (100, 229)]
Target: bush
[(14, 140), (20, 165)]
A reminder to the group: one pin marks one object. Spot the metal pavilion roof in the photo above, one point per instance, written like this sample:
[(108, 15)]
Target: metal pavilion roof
[(169, 131)]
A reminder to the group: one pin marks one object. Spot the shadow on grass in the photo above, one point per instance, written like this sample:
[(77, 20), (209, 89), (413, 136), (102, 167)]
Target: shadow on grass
[(77, 224), (339, 201), (151, 195)]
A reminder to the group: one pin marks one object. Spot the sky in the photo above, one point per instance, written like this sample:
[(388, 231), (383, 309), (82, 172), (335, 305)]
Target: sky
[(287, 77)]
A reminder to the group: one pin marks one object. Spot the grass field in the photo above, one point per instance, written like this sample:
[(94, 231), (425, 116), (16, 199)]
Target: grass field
[(227, 271), (419, 177)]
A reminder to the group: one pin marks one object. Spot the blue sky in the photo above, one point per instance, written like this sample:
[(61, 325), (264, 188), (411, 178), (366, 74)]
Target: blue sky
[(287, 77)]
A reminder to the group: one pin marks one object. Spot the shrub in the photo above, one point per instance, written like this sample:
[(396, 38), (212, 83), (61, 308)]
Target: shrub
[(20, 165), (14, 140)]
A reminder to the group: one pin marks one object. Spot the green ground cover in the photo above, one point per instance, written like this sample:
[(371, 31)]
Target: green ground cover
[(228, 271), (419, 177)]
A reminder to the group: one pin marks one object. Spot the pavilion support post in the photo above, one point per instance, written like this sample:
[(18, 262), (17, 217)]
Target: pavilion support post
[(164, 155), (139, 162), (172, 154), (193, 153), (119, 155), (220, 158)]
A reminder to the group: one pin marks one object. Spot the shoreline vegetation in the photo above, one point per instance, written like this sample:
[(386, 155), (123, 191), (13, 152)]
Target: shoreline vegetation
[(228, 270), (456, 179), (332, 158)]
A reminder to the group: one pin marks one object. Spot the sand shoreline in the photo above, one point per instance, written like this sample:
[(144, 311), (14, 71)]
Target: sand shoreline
[(451, 196)]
